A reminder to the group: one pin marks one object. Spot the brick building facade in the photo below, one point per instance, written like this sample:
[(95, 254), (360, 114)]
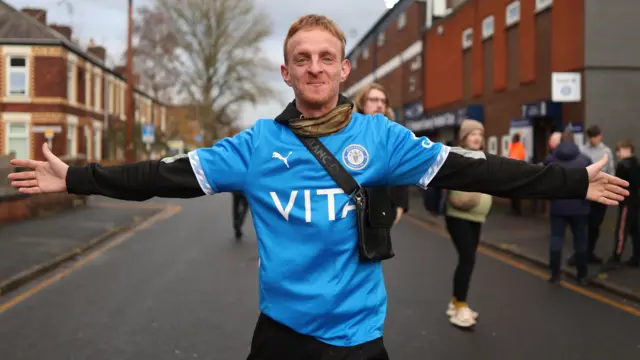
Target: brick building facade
[(390, 53), (52, 90), (493, 60)]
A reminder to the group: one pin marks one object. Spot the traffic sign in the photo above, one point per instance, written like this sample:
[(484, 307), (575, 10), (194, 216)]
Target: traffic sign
[(148, 134)]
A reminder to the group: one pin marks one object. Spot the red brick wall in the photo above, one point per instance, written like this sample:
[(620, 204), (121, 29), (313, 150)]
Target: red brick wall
[(50, 77)]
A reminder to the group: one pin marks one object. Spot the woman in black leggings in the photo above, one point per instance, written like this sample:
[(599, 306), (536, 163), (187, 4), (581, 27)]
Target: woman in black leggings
[(465, 214)]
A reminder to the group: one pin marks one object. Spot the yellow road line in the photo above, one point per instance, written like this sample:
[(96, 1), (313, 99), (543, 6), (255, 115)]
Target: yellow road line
[(530, 269), (167, 213)]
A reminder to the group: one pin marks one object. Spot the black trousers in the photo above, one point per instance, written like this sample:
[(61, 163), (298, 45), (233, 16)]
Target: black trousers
[(240, 208), (596, 216), (466, 237), (274, 341), (627, 225)]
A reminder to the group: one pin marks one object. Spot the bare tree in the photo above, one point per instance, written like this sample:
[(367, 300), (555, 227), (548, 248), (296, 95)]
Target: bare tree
[(221, 60), (155, 52)]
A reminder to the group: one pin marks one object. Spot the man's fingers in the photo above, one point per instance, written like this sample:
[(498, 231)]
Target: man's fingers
[(617, 181), (616, 189), (24, 183), (30, 190), (612, 195), (25, 175), (32, 164)]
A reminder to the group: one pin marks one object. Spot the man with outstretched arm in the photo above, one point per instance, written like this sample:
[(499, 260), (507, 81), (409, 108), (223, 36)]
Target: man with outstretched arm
[(317, 300)]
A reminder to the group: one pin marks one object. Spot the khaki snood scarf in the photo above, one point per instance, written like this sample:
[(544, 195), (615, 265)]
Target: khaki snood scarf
[(330, 123)]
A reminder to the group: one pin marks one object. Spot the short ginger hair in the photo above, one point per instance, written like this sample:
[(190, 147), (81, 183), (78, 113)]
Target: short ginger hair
[(315, 21)]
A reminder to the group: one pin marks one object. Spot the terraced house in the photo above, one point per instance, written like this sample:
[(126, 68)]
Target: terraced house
[(53, 90)]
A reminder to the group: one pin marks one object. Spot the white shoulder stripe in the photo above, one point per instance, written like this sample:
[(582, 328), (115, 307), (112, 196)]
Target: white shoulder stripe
[(469, 153), (435, 167), (198, 171)]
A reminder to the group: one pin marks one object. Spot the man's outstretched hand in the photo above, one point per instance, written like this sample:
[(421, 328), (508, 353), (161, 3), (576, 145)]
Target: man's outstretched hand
[(46, 176), (604, 188)]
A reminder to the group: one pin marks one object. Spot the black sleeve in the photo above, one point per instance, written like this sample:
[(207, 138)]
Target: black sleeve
[(400, 197), (169, 178), (499, 176)]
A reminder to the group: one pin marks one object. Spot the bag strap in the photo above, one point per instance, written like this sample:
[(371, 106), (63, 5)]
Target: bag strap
[(339, 174)]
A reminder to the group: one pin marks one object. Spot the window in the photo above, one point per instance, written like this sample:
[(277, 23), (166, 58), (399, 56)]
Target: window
[(412, 83), (71, 78), (365, 53), (402, 20), (71, 140), (18, 139), (97, 141), (381, 39), (467, 38), (17, 76), (512, 13), (542, 5), (87, 141), (488, 27), (96, 91)]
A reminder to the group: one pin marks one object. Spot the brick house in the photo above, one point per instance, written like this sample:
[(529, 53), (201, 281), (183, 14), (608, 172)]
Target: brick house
[(53, 90), (390, 53)]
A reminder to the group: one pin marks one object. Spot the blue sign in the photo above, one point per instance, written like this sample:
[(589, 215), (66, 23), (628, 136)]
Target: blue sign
[(413, 111), (446, 119), (148, 133)]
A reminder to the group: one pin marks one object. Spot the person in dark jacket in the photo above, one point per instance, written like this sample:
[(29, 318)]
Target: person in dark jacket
[(628, 168), (373, 99), (572, 212), (240, 208)]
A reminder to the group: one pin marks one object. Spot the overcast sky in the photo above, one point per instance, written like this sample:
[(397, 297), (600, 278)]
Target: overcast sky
[(106, 22)]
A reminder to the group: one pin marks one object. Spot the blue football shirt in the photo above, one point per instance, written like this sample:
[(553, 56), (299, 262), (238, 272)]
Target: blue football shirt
[(310, 277)]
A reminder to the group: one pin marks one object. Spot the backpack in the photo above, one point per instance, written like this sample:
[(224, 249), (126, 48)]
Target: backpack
[(434, 200)]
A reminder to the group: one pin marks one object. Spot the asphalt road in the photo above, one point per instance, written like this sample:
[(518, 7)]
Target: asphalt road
[(182, 288)]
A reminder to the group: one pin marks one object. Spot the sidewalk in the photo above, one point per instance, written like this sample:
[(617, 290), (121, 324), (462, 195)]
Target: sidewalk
[(527, 237), (33, 247)]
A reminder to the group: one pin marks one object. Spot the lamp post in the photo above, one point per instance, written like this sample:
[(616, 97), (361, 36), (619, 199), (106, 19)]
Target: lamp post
[(130, 155)]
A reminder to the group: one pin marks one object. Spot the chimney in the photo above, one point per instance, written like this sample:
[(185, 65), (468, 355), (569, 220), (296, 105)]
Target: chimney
[(62, 30), (38, 14), (98, 51), (120, 70)]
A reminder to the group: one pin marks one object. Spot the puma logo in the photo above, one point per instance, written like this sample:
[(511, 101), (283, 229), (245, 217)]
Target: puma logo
[(277, 155)]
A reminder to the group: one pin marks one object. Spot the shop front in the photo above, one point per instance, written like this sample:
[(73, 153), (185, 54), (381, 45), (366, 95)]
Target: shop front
[(537, 122), (443, 126)]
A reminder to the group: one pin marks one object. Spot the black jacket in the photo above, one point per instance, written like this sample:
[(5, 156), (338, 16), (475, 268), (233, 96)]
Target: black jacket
[(568, 154), (629, 169)]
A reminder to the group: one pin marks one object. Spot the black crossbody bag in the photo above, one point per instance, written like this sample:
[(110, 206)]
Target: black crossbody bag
[(374, 211)]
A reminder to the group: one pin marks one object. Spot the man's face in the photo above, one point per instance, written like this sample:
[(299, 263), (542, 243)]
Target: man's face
[(375, 102), (595, 141), (623, 153), (315, 68)]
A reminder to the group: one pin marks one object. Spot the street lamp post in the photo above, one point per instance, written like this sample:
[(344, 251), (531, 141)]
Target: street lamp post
[(129, 149)]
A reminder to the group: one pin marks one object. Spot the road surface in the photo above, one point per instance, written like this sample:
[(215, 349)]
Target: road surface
[(182, 288)]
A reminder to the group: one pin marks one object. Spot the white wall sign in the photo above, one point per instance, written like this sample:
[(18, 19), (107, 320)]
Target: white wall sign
[(506, 141), (566, 87), (493, 145)]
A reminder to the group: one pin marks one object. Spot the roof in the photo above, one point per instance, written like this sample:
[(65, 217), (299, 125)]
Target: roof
[(382, 23), (19, 28)]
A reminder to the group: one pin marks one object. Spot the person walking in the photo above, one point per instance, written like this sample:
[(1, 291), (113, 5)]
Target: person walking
[(568, 212), (240, 209), (321, 296), (465, 212), (595, 149), (517, 152), (373, 99), (628, 168)]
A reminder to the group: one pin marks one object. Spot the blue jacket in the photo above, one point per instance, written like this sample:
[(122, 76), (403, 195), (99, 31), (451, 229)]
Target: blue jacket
[(568, 154)]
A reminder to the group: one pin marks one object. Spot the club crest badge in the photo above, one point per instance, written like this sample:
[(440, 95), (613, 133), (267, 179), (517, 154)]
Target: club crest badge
[(355, 157)]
